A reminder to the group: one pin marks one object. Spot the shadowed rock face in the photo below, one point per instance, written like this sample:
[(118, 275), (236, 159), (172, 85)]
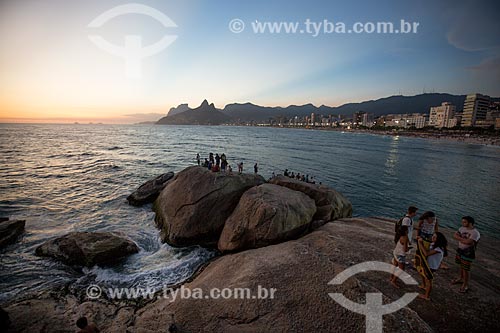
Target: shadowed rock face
[(193, 207), (149, 191), (331, 205), (300, 271), (88, 248), (10, 231), (266, 214)]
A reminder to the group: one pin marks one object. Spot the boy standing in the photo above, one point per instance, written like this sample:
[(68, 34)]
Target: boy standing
[(408, 221), (467, 237)]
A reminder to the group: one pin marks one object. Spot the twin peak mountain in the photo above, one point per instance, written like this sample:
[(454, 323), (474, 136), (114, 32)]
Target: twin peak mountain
[(208, 114)]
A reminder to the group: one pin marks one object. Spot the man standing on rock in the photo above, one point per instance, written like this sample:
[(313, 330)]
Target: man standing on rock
[(408, 221), (255, 168), (467, 237)]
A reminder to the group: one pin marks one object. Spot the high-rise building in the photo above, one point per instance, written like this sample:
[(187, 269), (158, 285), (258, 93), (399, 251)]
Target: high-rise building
[(442, 116), (475, 108)]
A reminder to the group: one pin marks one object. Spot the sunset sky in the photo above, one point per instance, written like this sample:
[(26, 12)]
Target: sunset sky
[(50, 71)]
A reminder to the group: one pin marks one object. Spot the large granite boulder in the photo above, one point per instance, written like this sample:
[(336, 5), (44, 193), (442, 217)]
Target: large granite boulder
[(193, 207), (331, 205), (266, 214), (298, 272), (149, 191), (88, 248), (10, 231)]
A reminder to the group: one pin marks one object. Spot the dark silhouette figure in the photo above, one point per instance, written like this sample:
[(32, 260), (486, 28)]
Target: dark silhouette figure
[(85, 327), (172, 328)]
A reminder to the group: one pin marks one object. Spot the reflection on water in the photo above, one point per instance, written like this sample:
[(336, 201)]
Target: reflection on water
[(392, 158)]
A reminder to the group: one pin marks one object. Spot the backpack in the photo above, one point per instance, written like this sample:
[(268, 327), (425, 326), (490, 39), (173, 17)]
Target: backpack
[(398, 224)]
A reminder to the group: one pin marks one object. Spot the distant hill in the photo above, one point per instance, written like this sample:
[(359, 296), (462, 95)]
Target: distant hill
[(179, 109), (394, 104), (247, 112), (402, 104), (205, 114)]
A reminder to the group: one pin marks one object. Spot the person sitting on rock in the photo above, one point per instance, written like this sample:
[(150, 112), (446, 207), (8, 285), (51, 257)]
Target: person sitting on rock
[(85, 327)]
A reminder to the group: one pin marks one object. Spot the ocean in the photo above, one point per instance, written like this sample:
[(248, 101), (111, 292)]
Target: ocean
[(63, 178)]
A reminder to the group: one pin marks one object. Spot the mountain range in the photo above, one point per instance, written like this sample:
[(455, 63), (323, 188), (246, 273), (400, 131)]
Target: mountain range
[(207, 114)]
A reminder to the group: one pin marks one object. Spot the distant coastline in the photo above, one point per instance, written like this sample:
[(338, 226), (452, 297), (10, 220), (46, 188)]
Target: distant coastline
[(456, 136)]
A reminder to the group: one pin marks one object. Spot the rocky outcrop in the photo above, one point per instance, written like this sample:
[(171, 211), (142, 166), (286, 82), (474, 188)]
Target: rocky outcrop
[(266, 214), (205, 114), (149, 191), (299, 270), (88, 248), (192, 209), (331, 205), (57, 313), (10, 231)]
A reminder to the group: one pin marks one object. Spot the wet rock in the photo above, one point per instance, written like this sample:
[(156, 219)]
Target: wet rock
[(88, 248), (10, 231), (149, 191)]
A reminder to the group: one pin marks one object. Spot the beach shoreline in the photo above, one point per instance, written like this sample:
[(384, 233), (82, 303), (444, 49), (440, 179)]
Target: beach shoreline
[(468, 138)]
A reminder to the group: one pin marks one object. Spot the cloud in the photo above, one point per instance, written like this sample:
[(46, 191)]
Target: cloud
[(475, 26), (488, 68)]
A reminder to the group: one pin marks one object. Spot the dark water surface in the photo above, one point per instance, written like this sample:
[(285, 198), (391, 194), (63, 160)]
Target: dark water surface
[(63, 178)]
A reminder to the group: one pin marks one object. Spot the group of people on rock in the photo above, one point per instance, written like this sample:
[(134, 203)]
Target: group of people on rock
[(431, 247), (218, 163), (298, 176)]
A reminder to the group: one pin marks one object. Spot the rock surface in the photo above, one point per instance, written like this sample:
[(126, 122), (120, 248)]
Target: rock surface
[(331, 205), (266, 214), (149, 191), (88, 248), (192, 209), (300, 271), (10, 231)]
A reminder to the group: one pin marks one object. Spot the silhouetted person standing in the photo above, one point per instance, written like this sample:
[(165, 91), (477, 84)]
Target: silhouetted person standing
[(255, 168), (198, 158)]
